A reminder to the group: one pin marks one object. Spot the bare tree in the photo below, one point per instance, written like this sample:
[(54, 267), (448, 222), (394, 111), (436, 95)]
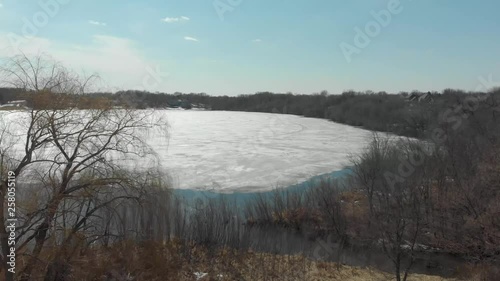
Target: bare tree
[(68, 160), (395, 186)]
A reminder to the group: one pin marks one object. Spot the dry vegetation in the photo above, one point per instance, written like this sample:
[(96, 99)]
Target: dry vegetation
[(177, 261)]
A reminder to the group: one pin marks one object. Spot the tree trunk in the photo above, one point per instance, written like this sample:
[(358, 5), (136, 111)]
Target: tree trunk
[(41, 235)]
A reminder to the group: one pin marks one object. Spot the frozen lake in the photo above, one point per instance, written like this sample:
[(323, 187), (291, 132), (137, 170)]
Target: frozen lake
[(240, 151)]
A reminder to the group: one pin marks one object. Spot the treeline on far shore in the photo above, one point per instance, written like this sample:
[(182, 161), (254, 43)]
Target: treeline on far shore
[(412, 114)]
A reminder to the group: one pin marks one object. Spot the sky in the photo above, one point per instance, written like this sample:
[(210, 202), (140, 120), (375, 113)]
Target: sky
[(233, 47)]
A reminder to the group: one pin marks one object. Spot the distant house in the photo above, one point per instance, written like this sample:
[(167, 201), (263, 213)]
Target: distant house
[(16, 103), (174, 103), (186, 105), (179, 103), (421, 97)]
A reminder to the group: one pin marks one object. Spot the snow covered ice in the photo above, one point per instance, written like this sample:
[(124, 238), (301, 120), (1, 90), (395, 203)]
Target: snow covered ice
[(240, 151)]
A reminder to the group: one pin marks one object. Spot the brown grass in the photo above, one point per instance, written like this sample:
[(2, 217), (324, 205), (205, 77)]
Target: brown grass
[(177, 261)]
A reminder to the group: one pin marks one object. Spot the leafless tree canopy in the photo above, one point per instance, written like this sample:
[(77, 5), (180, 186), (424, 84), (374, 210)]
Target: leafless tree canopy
[(42, 73), (67, 164)]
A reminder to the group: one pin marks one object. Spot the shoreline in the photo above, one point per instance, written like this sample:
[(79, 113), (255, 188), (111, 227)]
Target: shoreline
[(240, 196)]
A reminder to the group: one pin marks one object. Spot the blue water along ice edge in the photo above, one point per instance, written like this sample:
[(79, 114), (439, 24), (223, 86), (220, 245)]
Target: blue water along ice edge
[(190, 196)]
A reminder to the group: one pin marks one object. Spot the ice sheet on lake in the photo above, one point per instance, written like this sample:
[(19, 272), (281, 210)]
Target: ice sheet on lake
[(240, 151)]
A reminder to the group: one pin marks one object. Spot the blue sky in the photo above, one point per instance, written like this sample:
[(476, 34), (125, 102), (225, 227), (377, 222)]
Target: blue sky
[(261, 45)]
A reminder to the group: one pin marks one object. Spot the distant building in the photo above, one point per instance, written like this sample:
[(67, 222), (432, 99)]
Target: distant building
[(421, 97), (174, 103), (179, 103), (16, 103)]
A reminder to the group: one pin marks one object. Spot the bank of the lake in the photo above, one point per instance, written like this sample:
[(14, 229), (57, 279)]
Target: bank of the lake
[(191, 196), (273, 239)]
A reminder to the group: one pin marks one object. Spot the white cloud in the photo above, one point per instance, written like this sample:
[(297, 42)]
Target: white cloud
[(1, 5), (93, 22), (11, 44), (257, 40), (188, 38), (179, 19), (118, 61)]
